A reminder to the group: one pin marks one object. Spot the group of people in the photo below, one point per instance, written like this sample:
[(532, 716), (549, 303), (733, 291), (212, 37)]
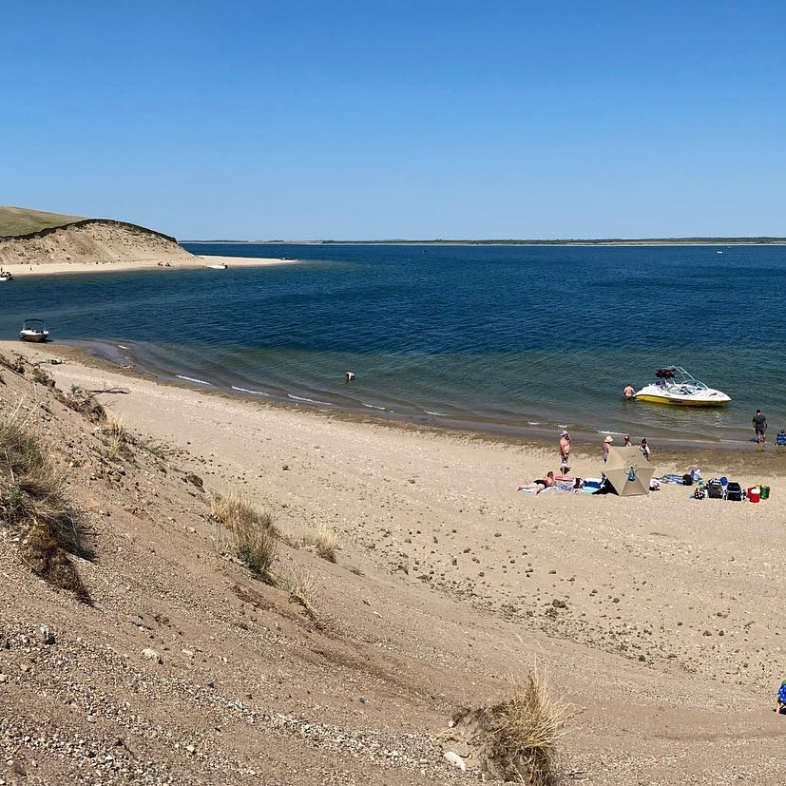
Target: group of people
[(608, 441), (548, 480)]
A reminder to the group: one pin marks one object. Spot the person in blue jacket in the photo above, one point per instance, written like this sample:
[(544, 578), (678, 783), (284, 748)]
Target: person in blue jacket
[(780, 707)]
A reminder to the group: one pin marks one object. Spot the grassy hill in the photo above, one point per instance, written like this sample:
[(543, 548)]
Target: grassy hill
[(21, 221)]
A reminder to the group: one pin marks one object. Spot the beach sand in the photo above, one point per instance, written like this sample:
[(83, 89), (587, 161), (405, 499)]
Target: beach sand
[(659, 617), (175, 263)]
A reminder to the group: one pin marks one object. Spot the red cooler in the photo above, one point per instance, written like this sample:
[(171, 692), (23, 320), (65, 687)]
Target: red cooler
[(754, 494)]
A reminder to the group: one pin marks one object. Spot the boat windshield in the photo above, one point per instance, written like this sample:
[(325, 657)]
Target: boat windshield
[(677, 378)]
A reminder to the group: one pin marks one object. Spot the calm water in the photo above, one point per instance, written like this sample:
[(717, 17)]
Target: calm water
[(503, 338)]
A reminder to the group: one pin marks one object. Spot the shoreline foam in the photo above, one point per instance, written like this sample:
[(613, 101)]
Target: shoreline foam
[(727, 456)]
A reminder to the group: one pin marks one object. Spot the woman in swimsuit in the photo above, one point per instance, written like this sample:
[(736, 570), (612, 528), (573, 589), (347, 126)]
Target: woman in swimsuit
[(540, 484)]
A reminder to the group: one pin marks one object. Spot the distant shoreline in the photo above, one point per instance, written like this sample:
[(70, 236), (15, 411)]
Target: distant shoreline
[(720, 241)]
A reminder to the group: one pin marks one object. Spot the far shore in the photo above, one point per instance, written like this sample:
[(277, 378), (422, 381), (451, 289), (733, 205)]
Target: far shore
[(62, 268)]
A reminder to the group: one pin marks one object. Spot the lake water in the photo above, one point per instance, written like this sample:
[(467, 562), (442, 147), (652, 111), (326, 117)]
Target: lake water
[(501, 338)]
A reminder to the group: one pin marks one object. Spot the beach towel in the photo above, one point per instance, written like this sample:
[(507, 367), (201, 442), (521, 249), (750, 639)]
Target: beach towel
[(678, 480), (535, 491)]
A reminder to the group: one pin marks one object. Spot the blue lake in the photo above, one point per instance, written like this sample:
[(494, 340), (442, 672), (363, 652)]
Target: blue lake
[(503, 338)]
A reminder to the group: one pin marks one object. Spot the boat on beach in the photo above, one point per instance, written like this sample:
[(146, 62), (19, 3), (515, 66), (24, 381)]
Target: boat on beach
[(217, 267), (34, 330), (5, 276), (676, 386)]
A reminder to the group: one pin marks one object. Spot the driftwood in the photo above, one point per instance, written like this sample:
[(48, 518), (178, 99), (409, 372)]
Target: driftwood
[(110, 390)]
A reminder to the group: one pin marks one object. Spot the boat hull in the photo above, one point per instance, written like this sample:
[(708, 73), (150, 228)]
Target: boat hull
[(680, 401), (36, 338)]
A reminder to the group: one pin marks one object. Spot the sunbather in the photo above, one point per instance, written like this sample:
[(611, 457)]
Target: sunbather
[(538, 485)]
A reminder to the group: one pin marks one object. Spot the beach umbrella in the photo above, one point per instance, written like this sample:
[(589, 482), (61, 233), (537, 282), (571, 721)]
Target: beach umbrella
[(628, 471)]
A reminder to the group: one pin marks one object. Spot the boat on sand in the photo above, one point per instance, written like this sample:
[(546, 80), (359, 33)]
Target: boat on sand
[(676, 386), (34, 330)]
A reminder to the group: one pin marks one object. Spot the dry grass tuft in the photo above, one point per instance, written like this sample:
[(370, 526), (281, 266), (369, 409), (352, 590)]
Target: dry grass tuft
[(42, 377), (17, 365), (517, 740), (116, 437), (253, 533), (234, 512), (32, 502), (302, 589), (256, 547), (84, 402), (324, 542)]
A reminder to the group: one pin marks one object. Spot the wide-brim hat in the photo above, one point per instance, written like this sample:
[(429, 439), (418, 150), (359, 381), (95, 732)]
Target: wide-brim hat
[(609, 438), (564, 434)]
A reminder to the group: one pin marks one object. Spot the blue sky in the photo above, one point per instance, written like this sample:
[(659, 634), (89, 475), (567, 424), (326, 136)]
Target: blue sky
[(377, 119)]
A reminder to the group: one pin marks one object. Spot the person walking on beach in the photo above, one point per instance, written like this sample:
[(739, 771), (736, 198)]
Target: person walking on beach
[(645, 449), (564, 452), (760, 426), (627, 441), (607, 447)]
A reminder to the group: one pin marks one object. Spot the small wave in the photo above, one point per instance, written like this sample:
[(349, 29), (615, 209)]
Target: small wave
[(437, 414), (253, 392), (371, 406), (192, 379), (533, 422), (309, 400), (120, 346)]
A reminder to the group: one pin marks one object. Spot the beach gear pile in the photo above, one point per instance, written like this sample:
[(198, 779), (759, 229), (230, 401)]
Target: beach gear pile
[(731, 491)]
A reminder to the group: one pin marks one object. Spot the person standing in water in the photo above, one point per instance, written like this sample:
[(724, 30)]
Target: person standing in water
[(629, 392), (760, 426), (564, 452), (349, 377)]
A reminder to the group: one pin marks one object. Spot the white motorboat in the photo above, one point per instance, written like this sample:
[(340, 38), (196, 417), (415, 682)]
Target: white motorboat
[(34, 330), (676, 386), (6, 276), (217, 267)]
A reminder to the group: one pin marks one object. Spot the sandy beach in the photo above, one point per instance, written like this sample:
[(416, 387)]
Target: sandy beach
[(659, 617), (58, 268)]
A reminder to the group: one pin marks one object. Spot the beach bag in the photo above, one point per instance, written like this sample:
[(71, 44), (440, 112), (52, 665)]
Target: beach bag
[(687, 480), (782, 693), (734, 492), (715, 489)]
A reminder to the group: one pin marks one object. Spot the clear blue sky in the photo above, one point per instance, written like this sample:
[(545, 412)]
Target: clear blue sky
[(374, 119)]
